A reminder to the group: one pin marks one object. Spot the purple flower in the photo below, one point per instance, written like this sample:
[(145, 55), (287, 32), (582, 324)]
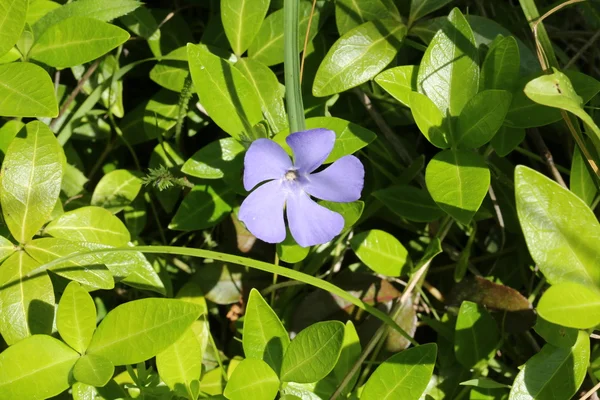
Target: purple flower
[(290, 186)]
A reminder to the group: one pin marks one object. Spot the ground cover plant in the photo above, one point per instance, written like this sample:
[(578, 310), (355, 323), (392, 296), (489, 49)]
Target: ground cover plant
[(294, 199)]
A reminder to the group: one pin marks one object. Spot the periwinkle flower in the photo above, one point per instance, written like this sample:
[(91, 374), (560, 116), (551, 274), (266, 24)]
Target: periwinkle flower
[(290, 186)]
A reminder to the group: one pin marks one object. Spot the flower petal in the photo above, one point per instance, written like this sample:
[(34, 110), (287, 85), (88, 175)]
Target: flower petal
[(311, 223), (262, 212), (342, 181), (264, 160), (311, 148)]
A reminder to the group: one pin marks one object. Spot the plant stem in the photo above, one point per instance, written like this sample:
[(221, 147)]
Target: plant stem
[(293, 91), (248, 262)]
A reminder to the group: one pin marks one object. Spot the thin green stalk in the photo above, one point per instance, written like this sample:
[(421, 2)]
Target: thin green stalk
[(291, 64), (248, 262)]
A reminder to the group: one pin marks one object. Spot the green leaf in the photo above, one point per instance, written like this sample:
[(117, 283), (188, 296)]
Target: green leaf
[(203, 207), (481, 118), (229, 99), (500, 69), (556, 335), (90, 224), (420, 8), (97, 9), (571, 305), (430, 120), (31, 175), (403, 376), (561, 232), (268, 89), (252, 379), (358, 56), (264, 337), (135, 216), (556, 90), (458, 181), (581, 181), (268, 45), (181, 362), (116, 190), (76, 317), (27, 302), (507, 139), (524, 113), (399, 82), (160, 116), (8, 131), (449, 71), (350, 211), (62, 46), (242, 20), (349, 137), (87, 270), (26, 91), (93, 370), (215, 160), (6, 248), (171, 72), (318, 347), (351, 350), (349, 13), (484, 383), (81, 391), (36, 368), (14, 14), (410, 202), (554, 372), (136, 331), (475, 336), (381, 252), (132, 269), (42, 7), (291, 252)]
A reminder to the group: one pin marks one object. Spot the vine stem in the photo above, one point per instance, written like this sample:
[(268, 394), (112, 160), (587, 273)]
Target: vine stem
[(291, 66), (248, 262)]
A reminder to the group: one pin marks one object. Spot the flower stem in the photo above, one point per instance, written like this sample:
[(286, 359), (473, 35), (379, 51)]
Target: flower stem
[(293, 91)]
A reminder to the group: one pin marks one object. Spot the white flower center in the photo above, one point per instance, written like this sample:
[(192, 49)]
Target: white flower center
[(291, 175)]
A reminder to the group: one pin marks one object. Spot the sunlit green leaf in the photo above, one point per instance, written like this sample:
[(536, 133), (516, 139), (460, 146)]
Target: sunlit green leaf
[(242, 20), (116, 190), (93, 370), (14, 13), (264, 337), (26, 91), (399, 82), (136, 331), (76, 317), (319, 346), (61, 45), (571, 305), (181, 362), (358, 56), (31, 175), (36, 368), (349, 13), (27, 302), (381, 252), (252, 379), (481, 118)]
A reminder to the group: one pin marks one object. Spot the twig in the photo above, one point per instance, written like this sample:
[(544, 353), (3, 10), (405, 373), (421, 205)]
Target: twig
[(591, 392), (312, 13), (586, 46), (387, 131), (538, 141), (75, 91)]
